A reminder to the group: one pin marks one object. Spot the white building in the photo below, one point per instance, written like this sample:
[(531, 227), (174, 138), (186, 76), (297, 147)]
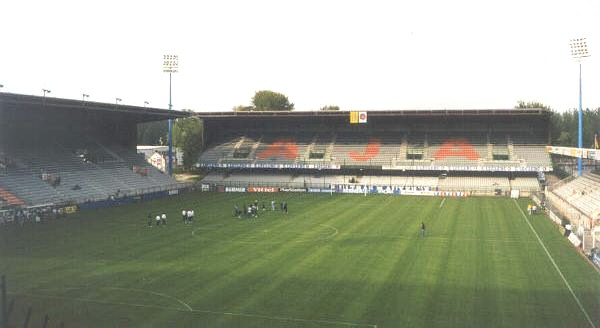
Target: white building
[(158, 156)]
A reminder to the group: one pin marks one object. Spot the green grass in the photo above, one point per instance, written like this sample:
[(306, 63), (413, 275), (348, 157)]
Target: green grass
[(333, 261)]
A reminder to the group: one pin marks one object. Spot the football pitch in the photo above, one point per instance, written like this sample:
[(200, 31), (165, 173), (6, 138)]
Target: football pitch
[(332, 261)]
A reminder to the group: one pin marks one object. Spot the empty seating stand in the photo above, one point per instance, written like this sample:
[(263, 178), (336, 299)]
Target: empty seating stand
[(380, 149), (583, 193), (80, 180)]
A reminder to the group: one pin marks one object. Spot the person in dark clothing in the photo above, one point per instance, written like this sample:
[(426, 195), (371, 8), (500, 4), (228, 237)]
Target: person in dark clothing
[(422, 229), (150, 220), (285, 208)]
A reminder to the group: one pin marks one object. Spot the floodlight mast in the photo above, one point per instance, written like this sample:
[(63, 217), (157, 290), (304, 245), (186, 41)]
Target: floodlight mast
[(170, 65), (579, 51)]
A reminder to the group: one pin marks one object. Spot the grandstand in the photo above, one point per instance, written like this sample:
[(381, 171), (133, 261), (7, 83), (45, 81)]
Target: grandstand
[(480, 151), (577, 199), (59, 151)]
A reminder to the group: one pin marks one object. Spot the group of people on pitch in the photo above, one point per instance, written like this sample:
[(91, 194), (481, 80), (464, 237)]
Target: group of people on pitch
[(159, 219), (251, 210), (187, 216)]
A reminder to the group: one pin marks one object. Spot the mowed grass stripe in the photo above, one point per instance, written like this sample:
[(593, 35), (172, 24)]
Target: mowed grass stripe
[(558, 269), (252, 272), (478, 265), (284, 278)]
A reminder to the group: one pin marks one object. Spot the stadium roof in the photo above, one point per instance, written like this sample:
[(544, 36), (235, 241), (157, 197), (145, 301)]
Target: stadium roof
[(136, 113), (381, 113)]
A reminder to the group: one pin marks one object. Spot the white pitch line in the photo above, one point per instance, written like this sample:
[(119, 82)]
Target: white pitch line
[(133, 290), (442, 202), (556, 267), (336, 231), (248, 315), (154, 293)]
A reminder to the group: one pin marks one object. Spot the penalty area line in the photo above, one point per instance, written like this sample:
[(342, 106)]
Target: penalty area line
[(442, 202), (189, 310), (556, 266)]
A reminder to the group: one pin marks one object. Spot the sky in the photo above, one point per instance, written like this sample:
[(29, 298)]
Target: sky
[(358, 55)]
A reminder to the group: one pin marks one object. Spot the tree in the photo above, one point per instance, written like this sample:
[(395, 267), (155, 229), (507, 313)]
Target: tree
[(329, 107), (242, 108), (266, 100), (564, 127), (187, 136), (531, 104), (564, 139), (152, 133)]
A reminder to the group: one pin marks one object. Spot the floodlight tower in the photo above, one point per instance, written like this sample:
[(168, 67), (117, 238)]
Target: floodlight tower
[(45, 91), (579, 51), (170, 65)]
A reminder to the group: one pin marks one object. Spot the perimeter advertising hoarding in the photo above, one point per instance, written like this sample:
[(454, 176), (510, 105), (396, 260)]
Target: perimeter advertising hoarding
[(321, 190), (596, 259), (235, 189), (293, 189), (263, 189), (331, 166), (575, 152), (574, 239)]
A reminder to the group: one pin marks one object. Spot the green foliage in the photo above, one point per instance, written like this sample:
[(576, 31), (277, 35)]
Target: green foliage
[(242, 108), (187, 136), (564, 126), (266, 100), (152, 133), (530, 104), (564, 138), (329, 107)]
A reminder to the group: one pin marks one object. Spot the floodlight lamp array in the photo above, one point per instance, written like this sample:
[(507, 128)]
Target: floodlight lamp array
[(170, 63), (579, 48)]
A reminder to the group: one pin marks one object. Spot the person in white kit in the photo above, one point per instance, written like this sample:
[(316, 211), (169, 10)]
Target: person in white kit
[(157, 220), (164, 219)]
